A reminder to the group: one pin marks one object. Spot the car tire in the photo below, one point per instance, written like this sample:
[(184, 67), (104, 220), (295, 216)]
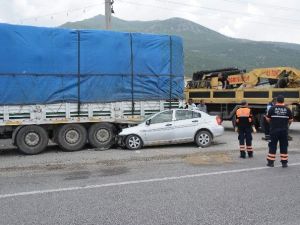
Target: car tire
[(71, 137), (133, 142), (203, 138), (32, 139), (102, 135)]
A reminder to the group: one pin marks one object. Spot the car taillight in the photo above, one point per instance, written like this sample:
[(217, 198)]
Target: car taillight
[(219, 120)]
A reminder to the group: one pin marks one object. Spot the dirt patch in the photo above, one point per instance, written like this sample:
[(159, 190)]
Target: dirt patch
[(209, 159), (114, 171), (78, 175)]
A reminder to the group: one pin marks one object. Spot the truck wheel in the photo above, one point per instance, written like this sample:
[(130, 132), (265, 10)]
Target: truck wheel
[(203, 138), (71, 137), (32, 139), (102, 135), (133, 142)]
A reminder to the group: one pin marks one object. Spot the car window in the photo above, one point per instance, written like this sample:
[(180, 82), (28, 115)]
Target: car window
[(196, 115), (183, 114), (163, 117), (186, 114)]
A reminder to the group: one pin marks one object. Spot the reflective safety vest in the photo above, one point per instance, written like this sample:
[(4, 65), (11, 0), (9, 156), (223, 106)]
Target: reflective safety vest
[(244, 117)]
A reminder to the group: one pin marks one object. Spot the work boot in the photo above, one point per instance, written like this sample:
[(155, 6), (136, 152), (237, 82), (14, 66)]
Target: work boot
[(243, 154), (284, 165), (250, 154), (270, 163)]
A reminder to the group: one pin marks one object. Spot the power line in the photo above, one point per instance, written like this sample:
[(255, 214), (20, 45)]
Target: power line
[(180, 10), (266, 5), (67, 12), (227, 11)]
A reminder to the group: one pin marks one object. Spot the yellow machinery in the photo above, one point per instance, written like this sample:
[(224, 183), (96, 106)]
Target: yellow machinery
[(278, 76), (283, 76), (258, 87)]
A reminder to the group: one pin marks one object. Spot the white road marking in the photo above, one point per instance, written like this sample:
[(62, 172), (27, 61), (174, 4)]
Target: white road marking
[(18, 194)]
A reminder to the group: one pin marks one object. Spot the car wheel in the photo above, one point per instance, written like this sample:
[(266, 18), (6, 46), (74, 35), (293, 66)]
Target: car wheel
[(133, 142), (203, 138)]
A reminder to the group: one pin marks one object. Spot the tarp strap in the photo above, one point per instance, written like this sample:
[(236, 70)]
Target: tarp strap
[(78, 73), (171, 71), (132, 75)]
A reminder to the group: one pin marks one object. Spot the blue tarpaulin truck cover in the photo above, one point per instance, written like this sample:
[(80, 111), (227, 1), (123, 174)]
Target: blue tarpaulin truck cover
[(49, 65)]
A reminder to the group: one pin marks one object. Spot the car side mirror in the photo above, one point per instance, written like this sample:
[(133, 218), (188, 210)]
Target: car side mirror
[(148, 122)]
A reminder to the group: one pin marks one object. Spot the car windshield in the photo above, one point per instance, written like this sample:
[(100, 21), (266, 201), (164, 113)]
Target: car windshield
[(160, 115), (147, 117)]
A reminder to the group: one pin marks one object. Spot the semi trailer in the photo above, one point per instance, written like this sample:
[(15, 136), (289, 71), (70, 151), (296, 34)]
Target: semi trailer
[(82, 86)]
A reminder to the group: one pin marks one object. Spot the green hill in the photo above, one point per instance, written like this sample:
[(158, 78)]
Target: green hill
[(205, 48)]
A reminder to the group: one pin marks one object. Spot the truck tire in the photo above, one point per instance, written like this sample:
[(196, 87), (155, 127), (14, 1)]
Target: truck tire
[(71, 137), (203, 138), (102, 135), (32, 139)]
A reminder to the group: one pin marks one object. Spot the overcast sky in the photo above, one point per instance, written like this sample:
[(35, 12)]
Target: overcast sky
[(268, 20)]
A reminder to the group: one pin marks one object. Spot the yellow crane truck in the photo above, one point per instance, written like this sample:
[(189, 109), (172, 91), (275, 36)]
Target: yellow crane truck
[(222, 90)]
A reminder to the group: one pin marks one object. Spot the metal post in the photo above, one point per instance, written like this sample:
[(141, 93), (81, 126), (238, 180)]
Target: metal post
[(78, 73), (108, 14)]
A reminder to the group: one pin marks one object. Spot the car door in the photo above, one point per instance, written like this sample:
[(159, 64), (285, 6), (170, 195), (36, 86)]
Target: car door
[(160, 129), (186, 124)]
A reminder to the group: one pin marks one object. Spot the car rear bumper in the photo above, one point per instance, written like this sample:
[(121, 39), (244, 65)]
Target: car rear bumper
[(217, 131)]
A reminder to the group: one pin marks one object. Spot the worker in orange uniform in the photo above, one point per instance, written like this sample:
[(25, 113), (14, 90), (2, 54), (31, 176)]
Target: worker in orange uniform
[(244, 120)]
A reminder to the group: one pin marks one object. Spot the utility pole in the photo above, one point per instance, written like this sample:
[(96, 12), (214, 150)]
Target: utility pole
[(108, 11)]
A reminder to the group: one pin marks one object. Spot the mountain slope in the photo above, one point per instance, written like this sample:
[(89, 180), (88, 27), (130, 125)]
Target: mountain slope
[(205, 48)]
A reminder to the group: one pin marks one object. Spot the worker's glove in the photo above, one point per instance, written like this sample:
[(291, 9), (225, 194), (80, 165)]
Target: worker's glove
[(236, 129), (254, 129)]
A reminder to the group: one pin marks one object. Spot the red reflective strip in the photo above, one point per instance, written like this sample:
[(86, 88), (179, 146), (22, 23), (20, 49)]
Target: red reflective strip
[(272, 159), (272, 155), (286, 155)]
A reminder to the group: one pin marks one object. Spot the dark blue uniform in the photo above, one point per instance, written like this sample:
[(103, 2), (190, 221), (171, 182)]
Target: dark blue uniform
[(279, 116), (266, 123)]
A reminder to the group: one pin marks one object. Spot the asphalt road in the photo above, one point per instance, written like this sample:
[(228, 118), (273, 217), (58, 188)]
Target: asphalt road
[(163, 185)]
